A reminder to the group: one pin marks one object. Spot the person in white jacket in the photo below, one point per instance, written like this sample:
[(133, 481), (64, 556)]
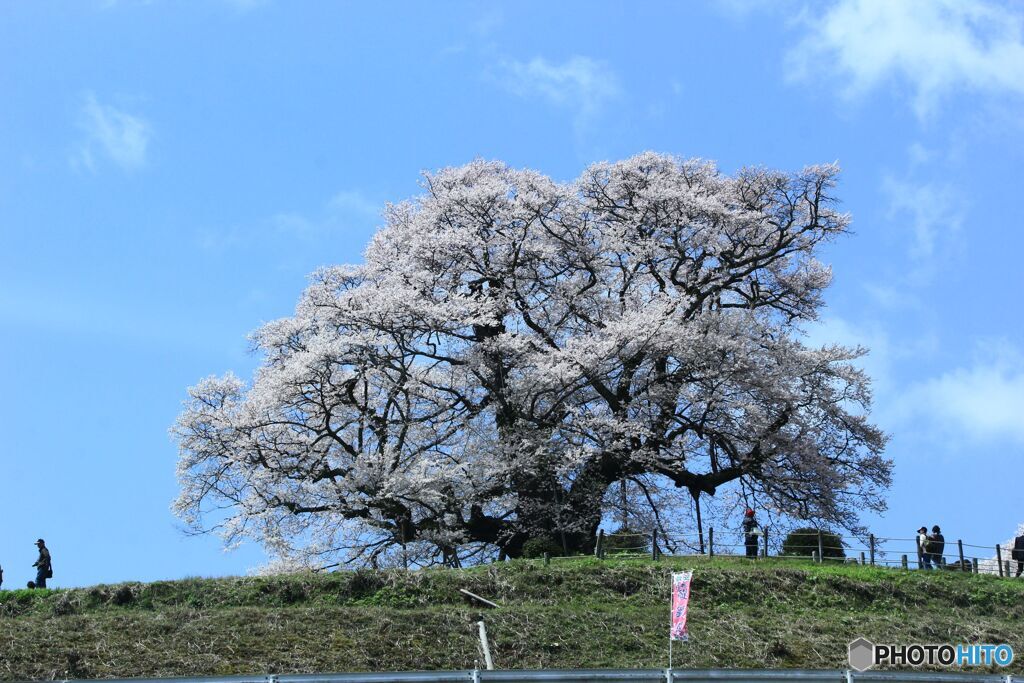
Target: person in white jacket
[(923, 558)]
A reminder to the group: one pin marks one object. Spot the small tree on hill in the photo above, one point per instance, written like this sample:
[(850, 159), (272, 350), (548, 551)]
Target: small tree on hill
[(804, 543), (536, 547)]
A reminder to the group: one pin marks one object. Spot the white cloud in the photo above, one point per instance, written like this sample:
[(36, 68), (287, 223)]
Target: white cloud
[(354, 203), (489, 21), (933, 214), (893, 296), (919, 154), (877, 363), (983, 400), (122, 137), (742, 9), (347, 212), (884, 363), (934, 46), (247, 5), (579, 84)]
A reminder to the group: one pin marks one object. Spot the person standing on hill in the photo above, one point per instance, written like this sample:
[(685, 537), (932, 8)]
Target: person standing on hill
[(937, 546), (923, 558), (44, 570), (750, 533), (1, 577), (1018, 553)]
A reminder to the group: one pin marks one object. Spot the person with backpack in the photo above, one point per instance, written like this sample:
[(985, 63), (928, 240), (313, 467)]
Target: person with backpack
[(751, 532), (1018, 553), (936, 545), (924, 560), (44, 569)]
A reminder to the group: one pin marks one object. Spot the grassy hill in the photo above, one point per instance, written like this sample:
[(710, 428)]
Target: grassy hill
[(579, 613)]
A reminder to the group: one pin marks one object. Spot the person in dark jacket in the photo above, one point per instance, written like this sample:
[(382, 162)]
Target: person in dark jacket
[(43, 568), (751, 532), (936, 546), (1018, 554)]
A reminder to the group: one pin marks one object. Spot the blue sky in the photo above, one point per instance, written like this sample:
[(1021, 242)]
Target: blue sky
[(171, 172)]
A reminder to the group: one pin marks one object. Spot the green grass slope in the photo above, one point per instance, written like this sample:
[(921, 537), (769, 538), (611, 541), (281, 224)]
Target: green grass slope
[(573, 614)]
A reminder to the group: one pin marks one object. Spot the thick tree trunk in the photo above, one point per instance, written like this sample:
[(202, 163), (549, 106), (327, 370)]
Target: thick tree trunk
[(700, 524)]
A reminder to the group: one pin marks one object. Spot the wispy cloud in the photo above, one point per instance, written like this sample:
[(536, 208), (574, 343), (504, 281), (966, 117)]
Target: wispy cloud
[(742, 9), (580, 84), (983, 400), (488, 21), (932, 214), (346, 209), (121, 137), (346, 212), (247, 5), (934, 46), (885, 362)]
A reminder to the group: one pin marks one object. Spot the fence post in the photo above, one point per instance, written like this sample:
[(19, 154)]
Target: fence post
[(1006, 572), (599, 549), (862, 562), (821, 547), (547, 559), (871, 549), (485, 645), (999, 558), (711, 541), (960, 549), (765, 541), (974, 564), (654, 545), (903, 561)]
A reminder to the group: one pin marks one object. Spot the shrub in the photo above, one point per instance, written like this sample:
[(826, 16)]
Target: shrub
[(804, 543), (536, 547)]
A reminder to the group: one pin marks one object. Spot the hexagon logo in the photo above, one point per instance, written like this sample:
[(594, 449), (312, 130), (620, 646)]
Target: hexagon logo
[(862, 654)]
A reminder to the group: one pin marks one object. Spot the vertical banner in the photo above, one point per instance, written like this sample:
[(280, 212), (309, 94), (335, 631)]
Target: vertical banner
[(680, 605)]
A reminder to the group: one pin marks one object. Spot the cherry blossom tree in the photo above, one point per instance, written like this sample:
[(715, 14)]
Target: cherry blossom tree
[(513, 347), (991, 565)]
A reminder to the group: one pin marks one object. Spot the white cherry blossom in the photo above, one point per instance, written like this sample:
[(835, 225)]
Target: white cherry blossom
[(513, 347)]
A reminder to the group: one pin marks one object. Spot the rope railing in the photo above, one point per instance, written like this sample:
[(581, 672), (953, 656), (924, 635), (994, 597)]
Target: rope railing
[(883, 551)]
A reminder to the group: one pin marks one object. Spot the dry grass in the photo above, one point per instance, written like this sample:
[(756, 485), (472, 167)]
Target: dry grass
[(583, 613)]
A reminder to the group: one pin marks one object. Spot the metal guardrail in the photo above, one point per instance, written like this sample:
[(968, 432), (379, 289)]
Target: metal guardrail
[(605, 675)]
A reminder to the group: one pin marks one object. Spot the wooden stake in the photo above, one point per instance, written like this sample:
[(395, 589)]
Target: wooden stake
[(486, 647)]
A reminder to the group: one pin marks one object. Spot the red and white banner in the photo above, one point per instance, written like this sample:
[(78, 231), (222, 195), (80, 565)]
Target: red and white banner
[(680, 605)]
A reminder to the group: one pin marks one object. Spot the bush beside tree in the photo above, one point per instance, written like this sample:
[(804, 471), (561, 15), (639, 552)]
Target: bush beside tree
[(803, 542), (536, 547)]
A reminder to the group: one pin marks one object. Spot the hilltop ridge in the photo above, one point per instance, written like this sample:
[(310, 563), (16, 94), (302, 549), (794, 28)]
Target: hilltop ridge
[(581, 613)]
